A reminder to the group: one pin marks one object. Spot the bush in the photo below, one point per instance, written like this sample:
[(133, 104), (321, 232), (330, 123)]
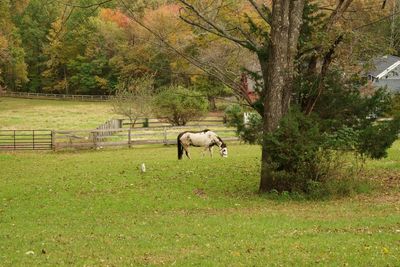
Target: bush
[(304, 160), (178, 105), (375, 139), (250, 132), (293, 153)]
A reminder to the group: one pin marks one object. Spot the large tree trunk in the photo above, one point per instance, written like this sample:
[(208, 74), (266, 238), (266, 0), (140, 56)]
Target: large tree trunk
[(278, 72)]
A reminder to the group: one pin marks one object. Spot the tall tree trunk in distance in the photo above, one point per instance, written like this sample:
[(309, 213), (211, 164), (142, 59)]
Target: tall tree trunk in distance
[(278, 72), (65, 80), (213, 105)]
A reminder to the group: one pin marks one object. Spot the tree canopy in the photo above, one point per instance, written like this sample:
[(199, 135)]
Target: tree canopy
[(89, 46)]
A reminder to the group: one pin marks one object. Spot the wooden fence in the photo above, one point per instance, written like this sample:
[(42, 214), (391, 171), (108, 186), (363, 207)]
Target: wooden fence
[(217, 121), (109, 125), (56, 96), (26, 140), (128, 137), (111, 133)]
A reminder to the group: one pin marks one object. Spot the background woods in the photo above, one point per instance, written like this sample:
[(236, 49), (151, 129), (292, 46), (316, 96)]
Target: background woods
[(90, 47)]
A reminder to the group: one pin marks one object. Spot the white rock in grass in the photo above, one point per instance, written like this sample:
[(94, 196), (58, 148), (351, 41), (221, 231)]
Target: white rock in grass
[(30, 252)]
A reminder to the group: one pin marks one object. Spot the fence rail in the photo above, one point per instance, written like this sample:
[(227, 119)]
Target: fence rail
[(56, 96), (107, 136), (129, 137), (26, 140), (215, 121)]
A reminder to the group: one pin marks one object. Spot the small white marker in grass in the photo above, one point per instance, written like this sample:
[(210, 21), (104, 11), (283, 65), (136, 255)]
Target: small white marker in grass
[(143, 168)]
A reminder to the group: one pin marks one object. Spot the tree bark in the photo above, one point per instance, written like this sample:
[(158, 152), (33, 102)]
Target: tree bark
[(279, 72)]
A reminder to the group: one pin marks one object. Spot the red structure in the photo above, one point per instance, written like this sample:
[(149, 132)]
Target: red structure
[(248, 90)]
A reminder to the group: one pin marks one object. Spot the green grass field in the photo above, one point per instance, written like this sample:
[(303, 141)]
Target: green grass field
[(28, 114), (95, 208), (36, 114)]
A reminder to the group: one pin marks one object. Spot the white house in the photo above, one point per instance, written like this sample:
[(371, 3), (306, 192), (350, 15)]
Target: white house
[(385, 71)]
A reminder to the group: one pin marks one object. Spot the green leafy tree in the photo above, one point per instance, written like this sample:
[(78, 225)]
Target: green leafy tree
[(34, 24), (76, 61), (13, 69), (212, 88), (178, 105), (55, 72), (87, 76)]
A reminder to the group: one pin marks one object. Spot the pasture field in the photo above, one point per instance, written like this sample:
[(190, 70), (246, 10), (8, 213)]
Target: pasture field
[(95, 208), (29, 114), (37, 114)]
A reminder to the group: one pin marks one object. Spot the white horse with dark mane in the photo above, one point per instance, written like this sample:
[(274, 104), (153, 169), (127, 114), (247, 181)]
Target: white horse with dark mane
[(205, 138)]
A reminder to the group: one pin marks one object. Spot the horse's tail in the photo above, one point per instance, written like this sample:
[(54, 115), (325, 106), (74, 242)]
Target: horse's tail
[(180, 147)]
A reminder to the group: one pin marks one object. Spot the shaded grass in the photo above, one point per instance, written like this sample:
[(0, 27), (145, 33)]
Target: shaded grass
[(96, 208), (390, 163)]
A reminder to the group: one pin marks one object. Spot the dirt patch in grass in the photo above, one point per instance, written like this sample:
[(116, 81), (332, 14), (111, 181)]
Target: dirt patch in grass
[(388, 180)]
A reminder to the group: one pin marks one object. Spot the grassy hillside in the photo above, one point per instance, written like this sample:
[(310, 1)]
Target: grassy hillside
[(95, 208)]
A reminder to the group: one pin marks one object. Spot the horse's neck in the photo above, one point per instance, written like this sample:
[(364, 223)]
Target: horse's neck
[(217, 141)]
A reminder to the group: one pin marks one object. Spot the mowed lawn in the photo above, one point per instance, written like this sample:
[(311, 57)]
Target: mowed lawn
[(34, 114), (95, 208)]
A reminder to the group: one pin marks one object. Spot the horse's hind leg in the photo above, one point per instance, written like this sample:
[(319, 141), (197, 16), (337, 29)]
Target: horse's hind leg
[(187, 151)]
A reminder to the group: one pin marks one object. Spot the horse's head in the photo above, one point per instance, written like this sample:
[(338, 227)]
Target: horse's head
[(223, 151)]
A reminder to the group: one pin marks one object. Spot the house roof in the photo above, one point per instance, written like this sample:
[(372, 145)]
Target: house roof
[(382, 65)]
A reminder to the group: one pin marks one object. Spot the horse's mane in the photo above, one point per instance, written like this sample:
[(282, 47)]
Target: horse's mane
[(222, 142)]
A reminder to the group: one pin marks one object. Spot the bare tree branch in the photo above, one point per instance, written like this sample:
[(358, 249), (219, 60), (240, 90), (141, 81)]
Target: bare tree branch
[(213, 27), (265, 16), (222, 75), (87, 6), (383, 4), (341, 7)]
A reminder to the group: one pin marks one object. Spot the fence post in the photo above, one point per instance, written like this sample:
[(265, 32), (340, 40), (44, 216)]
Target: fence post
[(33, 139), (165, 136), (129, 138), (53, 140), (14, 140), (95, 139)]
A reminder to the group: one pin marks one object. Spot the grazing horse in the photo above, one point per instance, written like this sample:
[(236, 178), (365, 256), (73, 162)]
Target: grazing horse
[(205, 138)]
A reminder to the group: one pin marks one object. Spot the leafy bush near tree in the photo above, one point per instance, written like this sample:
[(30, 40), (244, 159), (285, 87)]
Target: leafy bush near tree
[(250, 132), (178, 105)]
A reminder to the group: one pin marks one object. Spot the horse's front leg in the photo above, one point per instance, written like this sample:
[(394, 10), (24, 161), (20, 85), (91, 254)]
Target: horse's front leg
[(203, 153), (210, 149)]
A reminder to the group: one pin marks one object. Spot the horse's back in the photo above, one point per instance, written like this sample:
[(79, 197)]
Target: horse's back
[(181, 134)]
